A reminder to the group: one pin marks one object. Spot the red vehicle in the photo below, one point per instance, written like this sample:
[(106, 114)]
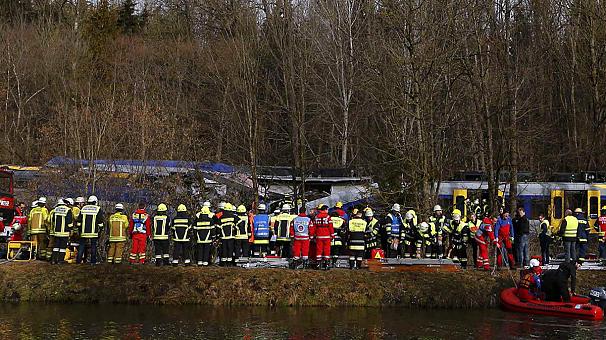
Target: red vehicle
[(7, 197)]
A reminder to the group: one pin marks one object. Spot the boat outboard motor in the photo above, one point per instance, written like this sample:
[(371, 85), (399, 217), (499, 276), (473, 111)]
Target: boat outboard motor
[(598, 297)]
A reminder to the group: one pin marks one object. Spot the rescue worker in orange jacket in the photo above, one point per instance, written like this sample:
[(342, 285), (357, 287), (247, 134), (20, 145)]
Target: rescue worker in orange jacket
[(484, 236), (600, 226), (323, 235), (302, 228), (530, 284)]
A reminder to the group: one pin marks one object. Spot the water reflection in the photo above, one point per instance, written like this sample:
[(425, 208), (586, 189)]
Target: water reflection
[(26, 321)]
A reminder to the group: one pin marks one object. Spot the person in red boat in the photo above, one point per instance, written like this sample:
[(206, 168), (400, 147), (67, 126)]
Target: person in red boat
[(530, 284)]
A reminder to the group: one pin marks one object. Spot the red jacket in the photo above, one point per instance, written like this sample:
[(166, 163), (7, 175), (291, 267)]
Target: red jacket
[(140, 214), (323, 225)]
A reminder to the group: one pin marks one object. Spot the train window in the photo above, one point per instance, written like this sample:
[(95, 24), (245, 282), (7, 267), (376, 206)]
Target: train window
[(460, 203), (593, 207), (557, 209), (5, 185), (537, 207)]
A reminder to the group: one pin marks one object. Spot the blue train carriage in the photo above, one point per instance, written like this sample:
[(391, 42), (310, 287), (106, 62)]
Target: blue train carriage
[(551, 198)]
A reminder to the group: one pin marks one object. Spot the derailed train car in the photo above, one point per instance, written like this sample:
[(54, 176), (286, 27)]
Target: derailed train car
[(549, 198)]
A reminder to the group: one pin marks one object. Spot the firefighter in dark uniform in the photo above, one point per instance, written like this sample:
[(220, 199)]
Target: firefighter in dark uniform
[(91, 223), (409, 229), (460, 238), (338, 223), (181, 227), (205, 233), (161, 228), (372, 232), (582, 234), (226, 230), (356, 228), (243, 233), (61, 223)]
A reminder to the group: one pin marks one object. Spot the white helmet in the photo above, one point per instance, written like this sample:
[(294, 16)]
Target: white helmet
[(409, 215), (42, 200), (476, 202), (396, 207), (424, 226), (369, 213), (60, 201), (119, 206), (17, 226), (93, 199), (80, 199), (262, 207), (206, 204), (437, 208), (534, 263), (34, 204), (286, 207), (69, 201)]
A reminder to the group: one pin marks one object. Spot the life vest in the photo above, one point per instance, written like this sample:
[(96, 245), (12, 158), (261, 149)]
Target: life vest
[(530, 281), (181, 228), (473, 226), (372, 234), (572, 225), (204, 229), (242, 230), (337, 224), (37, 220), (261, 229), (61, 222), (545, 225), (439, 223), (282, 226), (139, 223), (118, 223), (90, 226), (160, 227), (396, 225), (356, 230), (301, 228)]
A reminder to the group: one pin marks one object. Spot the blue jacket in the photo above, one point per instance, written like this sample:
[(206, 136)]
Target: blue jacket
[(501, 222)]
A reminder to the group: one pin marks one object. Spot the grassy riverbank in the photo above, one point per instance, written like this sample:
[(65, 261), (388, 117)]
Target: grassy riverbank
[(41, 282)]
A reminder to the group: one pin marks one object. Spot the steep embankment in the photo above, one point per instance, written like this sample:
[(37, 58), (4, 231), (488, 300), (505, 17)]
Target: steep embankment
[(41, 282)]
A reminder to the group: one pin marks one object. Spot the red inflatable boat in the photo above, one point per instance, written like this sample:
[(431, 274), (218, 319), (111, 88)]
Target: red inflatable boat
[(578, 307)]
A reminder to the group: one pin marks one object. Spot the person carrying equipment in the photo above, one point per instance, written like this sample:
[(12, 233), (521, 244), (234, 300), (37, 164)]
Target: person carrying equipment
[(117, 230), (205, 234), (262, 232), (555, 282), (91, 224), (393, 227), (569, 232), (181, 227), (302, 228), (426, 234), (323, 235), (139, 231), (530, 285), (504, 236), (161, 232), (355, 240), (241, 245), (409, 230), (484, 236), (37, 226), (61, 224)]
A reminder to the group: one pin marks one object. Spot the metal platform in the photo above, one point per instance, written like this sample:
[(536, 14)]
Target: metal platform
[(419, 265)]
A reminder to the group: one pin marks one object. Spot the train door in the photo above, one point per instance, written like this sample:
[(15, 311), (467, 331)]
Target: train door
[(556, 208), (593, 206), (458, 201)]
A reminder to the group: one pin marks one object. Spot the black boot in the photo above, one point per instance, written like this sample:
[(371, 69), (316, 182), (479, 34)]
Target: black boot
[(305, 264), (166, 261), (158, 262), (352, 264)]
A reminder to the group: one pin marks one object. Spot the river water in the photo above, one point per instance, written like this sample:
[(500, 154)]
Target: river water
[(29, 321)]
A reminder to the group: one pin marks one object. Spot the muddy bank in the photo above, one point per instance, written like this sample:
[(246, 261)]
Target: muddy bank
[(41, 282)]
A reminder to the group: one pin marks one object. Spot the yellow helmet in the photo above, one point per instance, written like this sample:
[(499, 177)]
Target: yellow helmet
[(339, 204), (456, 215), (241, 208), (228, 207), (181, 208), (354, 211), (205, 210), (162, 207)]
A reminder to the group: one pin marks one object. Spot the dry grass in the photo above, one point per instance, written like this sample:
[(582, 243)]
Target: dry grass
[(41, 282)]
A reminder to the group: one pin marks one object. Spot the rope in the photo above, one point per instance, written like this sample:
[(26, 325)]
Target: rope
[(507, 265)]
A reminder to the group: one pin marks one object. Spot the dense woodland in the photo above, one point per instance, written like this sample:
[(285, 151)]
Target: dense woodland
[(405, 91)]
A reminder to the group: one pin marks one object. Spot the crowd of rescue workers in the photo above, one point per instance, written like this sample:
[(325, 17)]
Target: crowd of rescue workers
[(316, 238)]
